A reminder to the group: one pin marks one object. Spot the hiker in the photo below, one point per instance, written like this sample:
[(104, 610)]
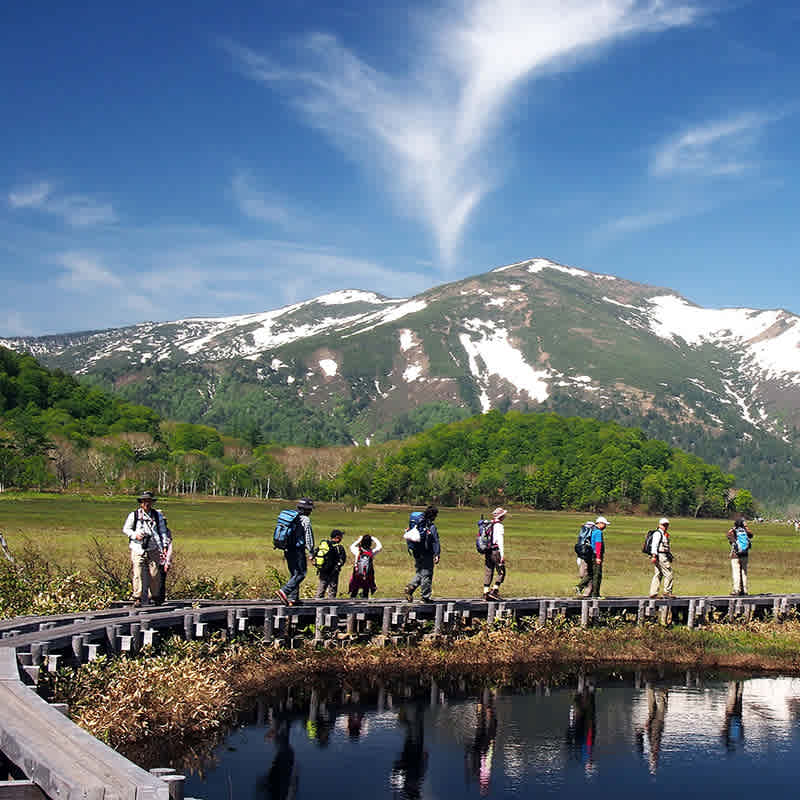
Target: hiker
[(585, 558), (594, 564), (495, 558), (425, 550), (364, 550), (150, 542), (661, 556), (329, 558), (295, 554), (740, 537)]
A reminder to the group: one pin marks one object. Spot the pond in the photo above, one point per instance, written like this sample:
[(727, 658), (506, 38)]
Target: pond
[(631, 736)]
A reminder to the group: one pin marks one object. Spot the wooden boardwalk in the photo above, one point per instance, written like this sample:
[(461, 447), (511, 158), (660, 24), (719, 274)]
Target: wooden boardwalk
[(57, 759)]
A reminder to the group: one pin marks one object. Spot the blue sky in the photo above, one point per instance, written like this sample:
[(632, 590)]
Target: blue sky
[(165, 161)]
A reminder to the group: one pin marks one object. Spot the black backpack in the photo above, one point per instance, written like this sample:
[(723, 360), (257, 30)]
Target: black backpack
[(647, 545)]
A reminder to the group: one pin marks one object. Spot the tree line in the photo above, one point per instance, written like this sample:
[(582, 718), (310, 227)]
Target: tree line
[(58, 433)]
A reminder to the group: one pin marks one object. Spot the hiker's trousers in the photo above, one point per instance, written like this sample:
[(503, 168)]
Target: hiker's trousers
[(492, 564), (148, 576), (423, 576), (739, 573), (662, 570), (297, 565)]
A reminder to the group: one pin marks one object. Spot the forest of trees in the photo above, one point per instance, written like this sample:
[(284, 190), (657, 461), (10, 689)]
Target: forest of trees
[(58, 433)]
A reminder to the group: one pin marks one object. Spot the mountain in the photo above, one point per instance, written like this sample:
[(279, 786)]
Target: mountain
[(538, 335)]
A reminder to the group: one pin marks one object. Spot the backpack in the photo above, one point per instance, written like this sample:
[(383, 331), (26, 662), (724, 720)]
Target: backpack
[(288, 531), (647, 546), (325, 556), (742, 541), (583, 547), (363, 564), (416, 536), (483, 541)]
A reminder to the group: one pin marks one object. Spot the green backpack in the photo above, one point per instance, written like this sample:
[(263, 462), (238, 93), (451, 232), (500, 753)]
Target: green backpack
[(325, 556)]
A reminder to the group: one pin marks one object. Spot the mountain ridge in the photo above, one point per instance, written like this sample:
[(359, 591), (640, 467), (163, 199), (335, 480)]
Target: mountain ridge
[(535, 335)]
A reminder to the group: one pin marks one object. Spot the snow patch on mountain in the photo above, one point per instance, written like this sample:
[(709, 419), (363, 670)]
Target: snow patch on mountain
[(406, 339), (345, 296), (328, 366), (490, 344), (392, 315), (771, 338), (412, 372)]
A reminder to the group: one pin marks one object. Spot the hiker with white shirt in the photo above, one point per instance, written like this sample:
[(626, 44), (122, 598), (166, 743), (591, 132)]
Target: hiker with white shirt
[(150, 542), (495, 557)]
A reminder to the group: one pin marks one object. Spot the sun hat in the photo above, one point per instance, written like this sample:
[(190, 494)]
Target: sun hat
[(663, 521), (146, 496), (601, 521), (499, 513)]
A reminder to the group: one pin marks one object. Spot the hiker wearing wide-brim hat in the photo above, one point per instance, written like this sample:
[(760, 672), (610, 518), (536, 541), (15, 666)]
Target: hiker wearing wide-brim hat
[(150, 542), (495, 557)]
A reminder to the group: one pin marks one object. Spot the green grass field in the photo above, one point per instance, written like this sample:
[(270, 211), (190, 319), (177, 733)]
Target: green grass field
[(226, 537)]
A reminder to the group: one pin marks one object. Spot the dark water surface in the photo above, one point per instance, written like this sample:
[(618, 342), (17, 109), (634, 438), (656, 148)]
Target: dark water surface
[(620, 736)]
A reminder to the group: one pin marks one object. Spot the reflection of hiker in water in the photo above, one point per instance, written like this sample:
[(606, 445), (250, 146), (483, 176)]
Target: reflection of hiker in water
[(408, 771), (320, 721), (582, 729), (654, 727), (280, 782), (479, 754), (733, 728)]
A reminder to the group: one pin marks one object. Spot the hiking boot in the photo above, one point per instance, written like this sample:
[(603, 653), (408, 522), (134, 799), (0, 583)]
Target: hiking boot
[(653, 596), (293, 602), (137, 603), (494, 595), (281, 595), (426, 599), (669, 596), (408, 592)]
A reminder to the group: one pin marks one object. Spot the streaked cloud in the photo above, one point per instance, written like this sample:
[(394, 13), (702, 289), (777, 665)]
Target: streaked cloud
[(86, 272), (634, 223), (258, 205), (725, 147), (428, 133), (76, 210)]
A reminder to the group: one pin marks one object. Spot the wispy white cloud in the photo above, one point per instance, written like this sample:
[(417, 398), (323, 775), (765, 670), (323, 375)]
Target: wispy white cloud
[(76, 210), (32, 196), (256, 204), (84, 272), (634, 223), (429, 133), (725, 147)]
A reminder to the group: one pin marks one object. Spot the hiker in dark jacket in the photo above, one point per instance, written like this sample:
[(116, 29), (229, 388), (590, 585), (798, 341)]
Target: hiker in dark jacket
[(328, 574), (426, 555), (740, 554), (289, 593)]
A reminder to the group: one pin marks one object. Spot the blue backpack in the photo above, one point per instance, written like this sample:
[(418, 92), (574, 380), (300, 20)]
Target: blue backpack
[(742, 541), (416, 519), (289, 531)]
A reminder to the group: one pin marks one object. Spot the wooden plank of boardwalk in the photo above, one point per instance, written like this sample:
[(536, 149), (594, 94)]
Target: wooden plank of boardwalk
[(58, 756), (21, 790)]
